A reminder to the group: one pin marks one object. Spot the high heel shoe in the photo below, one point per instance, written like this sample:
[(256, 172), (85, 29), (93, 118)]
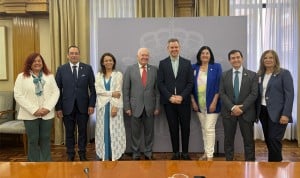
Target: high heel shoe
[(209, 159), (203, 157)]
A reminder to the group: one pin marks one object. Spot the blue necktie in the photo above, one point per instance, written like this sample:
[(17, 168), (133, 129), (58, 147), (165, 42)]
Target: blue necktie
[(236, 85), (75, 73)]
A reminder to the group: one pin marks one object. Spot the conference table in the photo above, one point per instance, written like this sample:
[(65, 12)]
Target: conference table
[(149, 169)]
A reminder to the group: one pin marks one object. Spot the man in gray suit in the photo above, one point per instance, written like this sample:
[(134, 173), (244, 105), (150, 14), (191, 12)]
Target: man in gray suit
[(238, 92), (141, 102)]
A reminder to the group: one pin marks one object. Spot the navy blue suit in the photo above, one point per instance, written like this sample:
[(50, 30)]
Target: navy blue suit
[(279, 98), (177, 114), (75, 98)]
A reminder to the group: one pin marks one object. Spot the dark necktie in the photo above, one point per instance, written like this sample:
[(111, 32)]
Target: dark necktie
[(236, 87), (144, 76), (75, 73)]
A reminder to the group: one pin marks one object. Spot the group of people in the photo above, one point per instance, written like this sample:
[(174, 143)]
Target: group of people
[(238, 94)]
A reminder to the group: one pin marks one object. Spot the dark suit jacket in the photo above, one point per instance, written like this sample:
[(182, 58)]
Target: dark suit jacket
[(167, 81), (136, 96), (279, 95), (247, 97), (83, 90)]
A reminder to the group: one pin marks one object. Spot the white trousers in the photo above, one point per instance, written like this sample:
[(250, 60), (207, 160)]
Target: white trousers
[(208, 123)]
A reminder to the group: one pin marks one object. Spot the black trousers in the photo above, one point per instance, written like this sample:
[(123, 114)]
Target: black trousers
[(71, 121), (273, 133), (179, 115)]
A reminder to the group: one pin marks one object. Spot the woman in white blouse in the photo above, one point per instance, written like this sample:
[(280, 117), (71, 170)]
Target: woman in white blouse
[(37, 93), (110, 136)]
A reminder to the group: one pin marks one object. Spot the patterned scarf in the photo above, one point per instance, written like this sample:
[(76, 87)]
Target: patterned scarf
[(39, 83)]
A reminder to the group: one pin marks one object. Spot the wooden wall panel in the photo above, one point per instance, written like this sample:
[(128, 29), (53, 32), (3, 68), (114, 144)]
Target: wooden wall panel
[(24, 7), (184, 8), (25, 41)]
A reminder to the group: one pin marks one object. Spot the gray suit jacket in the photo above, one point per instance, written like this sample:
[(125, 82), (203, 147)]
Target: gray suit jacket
[(136, 97), (247, 97)]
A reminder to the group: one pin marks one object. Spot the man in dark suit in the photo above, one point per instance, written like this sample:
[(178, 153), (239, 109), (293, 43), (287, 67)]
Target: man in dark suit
[(77, 100), (141, 101), (175, 82), (238, 93)]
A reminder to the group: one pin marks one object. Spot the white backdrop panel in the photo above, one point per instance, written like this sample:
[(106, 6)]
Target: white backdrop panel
[(123, 36)]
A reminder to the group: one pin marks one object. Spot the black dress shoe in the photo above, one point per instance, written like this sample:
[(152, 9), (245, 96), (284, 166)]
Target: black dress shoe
[(82, 158), (149, 158), (176, 156), (136, 158), (70, 158), (185, 156)]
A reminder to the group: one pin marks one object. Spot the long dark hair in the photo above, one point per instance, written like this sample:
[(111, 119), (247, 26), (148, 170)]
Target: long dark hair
[(212, 58), (29, 61), (103, 70)]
